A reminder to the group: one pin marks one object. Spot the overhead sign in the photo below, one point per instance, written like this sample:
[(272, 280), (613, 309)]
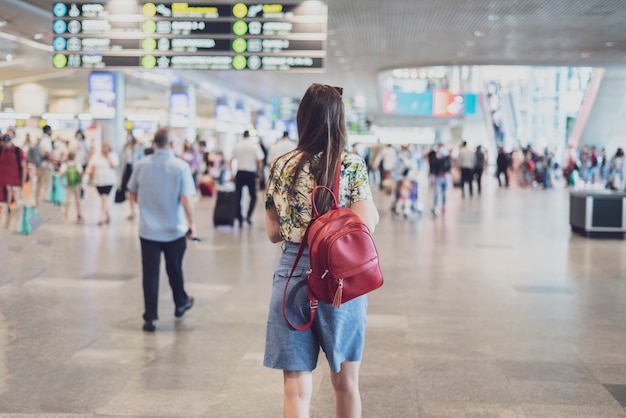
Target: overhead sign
[(181, 36)]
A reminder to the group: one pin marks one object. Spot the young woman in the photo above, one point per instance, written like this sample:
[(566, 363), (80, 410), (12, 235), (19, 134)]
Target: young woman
[(132, 152), (192, 157), (102, 168), (339, 332)]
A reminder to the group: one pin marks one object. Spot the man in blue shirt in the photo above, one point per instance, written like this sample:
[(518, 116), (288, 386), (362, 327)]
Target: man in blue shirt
[(162, 186)]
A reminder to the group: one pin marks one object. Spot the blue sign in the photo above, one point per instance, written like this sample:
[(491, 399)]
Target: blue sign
[(59, 44), (59, 26), (471, 100), (59, 9)]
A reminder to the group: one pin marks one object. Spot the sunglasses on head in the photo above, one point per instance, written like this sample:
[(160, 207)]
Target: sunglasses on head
[(339, 90)]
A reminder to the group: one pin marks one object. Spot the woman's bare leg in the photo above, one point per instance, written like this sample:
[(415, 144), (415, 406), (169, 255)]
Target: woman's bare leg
[(297, 398), (79, 216), (132, 209), (68, 196), (346, 386), (103, 209)]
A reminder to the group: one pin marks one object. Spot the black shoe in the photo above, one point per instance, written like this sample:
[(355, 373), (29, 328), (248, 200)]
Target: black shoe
[(149, 326), (249, 221), (180, 311)]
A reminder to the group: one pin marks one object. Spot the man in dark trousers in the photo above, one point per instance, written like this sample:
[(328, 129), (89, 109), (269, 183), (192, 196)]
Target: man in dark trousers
[(502, 163), (163, 187), (479, 167), (249, 157), (466, 164)]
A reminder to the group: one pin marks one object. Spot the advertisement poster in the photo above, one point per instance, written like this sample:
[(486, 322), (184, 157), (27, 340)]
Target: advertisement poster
[(102, 95), (179, 110), (446, 103), (223, 118)]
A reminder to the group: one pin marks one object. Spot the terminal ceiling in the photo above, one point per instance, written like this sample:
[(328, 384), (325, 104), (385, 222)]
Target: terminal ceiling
[(368, 36)]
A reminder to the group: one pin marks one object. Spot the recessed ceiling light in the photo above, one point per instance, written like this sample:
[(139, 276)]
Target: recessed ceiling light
[(3, 23), (8, 57), (493, 17), (470, 44), (38, 36), (479, 33), (609, 44), (585, 55)]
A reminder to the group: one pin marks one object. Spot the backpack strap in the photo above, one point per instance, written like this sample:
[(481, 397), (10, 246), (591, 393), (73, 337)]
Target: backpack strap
[(18, 157), (313, 302)]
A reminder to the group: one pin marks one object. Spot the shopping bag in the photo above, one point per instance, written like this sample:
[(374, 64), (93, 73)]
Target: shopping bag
[(30, 220), (57, 191), (120, 195)]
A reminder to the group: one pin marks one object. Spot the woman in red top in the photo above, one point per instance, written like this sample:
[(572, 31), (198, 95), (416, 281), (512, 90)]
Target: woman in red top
[(12, 169)]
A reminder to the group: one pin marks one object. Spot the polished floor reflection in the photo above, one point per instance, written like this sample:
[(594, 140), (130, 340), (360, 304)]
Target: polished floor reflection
[(492, 310)]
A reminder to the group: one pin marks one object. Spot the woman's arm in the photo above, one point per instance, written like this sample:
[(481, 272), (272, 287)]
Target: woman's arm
[(366, 210), (272, 225), (88, 169), (113, 160)]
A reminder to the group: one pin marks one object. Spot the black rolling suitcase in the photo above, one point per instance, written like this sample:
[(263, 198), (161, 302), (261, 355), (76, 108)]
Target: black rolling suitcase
[(225, 208)]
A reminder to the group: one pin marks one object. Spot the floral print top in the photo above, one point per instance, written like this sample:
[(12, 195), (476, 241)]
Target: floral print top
[(295, 212)]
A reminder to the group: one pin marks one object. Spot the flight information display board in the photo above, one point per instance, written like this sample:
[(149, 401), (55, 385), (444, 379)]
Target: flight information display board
[(183, 36)]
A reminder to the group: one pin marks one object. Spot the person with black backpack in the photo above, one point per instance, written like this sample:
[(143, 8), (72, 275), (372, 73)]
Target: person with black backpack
[(12, 173)]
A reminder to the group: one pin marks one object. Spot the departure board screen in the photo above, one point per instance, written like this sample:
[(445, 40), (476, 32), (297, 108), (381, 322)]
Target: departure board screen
[(183, 36)]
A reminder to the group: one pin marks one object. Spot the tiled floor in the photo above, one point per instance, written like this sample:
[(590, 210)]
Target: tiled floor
[(493, 310)]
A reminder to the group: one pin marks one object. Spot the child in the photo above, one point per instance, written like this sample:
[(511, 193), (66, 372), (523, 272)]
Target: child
[(406, 194), (404, 204), (72, 172)]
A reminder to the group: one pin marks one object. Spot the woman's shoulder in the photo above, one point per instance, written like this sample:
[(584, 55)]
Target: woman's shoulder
[(352, 161), (286, 159)]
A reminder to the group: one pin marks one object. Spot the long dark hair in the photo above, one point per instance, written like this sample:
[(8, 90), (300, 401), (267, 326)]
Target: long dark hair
[(321, 128)]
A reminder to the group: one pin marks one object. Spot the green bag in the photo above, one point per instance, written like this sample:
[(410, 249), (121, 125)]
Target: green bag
[(72, 176)]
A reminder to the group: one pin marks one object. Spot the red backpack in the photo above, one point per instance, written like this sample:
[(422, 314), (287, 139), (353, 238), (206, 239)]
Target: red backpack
[(344, 258)]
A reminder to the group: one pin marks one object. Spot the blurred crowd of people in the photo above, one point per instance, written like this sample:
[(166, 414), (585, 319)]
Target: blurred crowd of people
[(463, 167), (586, 166), (59, 170), (47, 164)]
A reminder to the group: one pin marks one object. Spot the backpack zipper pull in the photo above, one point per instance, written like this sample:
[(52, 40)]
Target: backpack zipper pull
[(338, 295)]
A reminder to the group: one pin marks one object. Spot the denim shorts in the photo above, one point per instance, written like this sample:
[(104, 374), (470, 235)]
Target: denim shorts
[(339, 332)]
